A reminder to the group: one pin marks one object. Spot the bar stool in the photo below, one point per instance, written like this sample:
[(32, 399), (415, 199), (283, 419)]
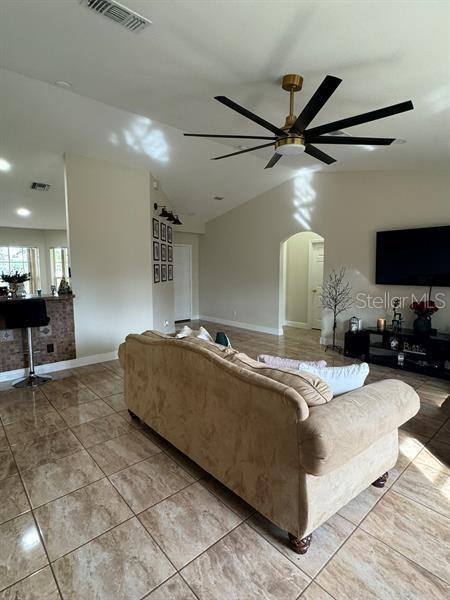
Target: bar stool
[(25, 314)]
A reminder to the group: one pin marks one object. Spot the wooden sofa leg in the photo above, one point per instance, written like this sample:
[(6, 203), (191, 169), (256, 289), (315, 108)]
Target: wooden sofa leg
[(301, 546), (381, 481)]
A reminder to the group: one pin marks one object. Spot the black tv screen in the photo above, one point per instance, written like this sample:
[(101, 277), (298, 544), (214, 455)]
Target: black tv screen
[(414, 257)]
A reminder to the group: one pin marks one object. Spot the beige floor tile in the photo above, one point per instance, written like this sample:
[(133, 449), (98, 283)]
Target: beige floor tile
[(3, 440), (123, 451), (427, 421), (13, 407), (443, 435), (82, 413), (237, 505), (67, 385), (417, 532), (326, 540), (39, 586), (115, 366), (104, 384), (133, 422), (315, 592), (73, 398), (434, 459), (150, 481), (427, 486), (122, 564), (101, 430), (366, 569), (83, 372), (7, 464), (59, 477), (45, 449), (243, 565), (73, 520), (173, 589), (359, 507), (21, 550), (13, 500), (32, 427), (116, 402), (409, 447), (188, 523)]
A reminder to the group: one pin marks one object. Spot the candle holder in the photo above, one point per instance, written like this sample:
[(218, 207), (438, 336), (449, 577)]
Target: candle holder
[(381, 324)]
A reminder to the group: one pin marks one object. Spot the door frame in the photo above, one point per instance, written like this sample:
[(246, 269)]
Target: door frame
[(312, 243), (189, 246)]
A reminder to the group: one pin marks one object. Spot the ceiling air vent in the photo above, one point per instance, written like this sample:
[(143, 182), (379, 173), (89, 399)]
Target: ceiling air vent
[(40, 187), (118, 13)]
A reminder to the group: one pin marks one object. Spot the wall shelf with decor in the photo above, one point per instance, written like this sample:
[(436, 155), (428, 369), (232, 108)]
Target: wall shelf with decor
[(403, 350)]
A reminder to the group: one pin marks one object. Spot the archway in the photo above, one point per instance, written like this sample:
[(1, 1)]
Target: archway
[(302, 262)]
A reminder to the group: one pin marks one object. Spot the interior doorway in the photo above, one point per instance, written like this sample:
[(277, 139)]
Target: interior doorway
[(182, 279), (302, 280)]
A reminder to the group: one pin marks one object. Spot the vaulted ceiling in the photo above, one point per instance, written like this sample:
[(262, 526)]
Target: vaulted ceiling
[(134, 94)]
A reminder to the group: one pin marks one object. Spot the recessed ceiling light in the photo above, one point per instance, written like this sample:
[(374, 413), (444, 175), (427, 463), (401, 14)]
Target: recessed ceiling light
[(5, 166), (64, 84), (23, 212), (218, 198)]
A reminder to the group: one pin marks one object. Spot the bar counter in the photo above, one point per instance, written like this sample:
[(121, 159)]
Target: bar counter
[(53, 343)]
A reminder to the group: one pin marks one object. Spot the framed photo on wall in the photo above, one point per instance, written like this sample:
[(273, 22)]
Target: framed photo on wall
[(169, 234), (163, 253), (156, 274), (170, 253), (156, 229), (155, 251), (163, 272), (163, 232), (170, 272)]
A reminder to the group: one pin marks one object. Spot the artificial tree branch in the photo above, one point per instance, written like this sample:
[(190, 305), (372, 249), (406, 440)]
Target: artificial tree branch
[(336, 295)]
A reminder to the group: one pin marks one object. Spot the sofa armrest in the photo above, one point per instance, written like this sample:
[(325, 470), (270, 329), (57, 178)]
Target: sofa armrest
[(339, 430), (121, 354)]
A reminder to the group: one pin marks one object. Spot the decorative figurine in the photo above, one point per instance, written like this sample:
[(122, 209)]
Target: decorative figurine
[(397, 319), (64, 287), (53, 290), (353, 324)]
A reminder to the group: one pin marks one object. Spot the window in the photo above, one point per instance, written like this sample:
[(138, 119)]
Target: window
[(24, 260), (59, 265)]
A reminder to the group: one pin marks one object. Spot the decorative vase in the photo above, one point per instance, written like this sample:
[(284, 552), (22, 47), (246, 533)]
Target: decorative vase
[(422, 326), (21, 291)]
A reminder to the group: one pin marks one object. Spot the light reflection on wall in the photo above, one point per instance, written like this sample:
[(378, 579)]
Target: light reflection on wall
[(304, 196), (142, 138)]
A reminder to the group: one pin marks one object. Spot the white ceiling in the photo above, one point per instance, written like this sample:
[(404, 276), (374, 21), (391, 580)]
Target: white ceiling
[(385, 52)]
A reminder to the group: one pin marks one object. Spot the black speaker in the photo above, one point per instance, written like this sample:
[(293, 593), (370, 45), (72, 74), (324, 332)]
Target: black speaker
[(357, 344)]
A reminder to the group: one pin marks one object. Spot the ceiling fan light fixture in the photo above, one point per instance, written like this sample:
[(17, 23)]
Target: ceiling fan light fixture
[(170, 216), (291, 146), (176, 220)]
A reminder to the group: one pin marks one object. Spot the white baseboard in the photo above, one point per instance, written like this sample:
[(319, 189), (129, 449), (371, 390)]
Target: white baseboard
[(298, 324), (250, 326), (60, 366)]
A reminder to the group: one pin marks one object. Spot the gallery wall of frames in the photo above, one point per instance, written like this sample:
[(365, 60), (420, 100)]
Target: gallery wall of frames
[(162, 252)]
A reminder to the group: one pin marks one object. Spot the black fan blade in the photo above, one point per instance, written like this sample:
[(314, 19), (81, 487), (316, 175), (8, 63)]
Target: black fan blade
[(242, 151), (239, 137), (320, 97), (273, 161), (249, 115), (373, 115), (313, 151), (359, 141)]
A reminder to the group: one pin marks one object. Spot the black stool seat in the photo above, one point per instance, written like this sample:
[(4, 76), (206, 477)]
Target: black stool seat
[(25, 314)]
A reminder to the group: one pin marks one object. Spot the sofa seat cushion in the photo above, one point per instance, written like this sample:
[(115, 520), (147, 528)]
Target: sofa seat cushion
[(312, 389), (336, 432)]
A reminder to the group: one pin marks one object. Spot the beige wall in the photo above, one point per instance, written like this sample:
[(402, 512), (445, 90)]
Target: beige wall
[(193, 240), (110, 244), (240, 252), (297, 276), (42, 239)]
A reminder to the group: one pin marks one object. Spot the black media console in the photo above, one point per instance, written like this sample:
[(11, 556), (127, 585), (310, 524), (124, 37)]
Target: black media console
[(402, 350)]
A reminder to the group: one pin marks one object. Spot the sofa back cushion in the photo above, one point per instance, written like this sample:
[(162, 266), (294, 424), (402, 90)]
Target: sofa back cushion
[(216, 349), (312, 389)]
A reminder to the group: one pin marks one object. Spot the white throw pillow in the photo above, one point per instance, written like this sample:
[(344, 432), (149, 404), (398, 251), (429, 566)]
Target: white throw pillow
[(201, 333), (341, 379), (289, 363)]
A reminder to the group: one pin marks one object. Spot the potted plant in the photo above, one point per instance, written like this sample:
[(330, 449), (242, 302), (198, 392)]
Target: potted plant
[(424, 310), (15, 281)]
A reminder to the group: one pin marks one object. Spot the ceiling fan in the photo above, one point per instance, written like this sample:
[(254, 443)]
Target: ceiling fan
[(293, 137)]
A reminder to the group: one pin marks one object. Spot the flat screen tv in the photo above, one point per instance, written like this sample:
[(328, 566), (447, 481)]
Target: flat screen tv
[(414, 257)]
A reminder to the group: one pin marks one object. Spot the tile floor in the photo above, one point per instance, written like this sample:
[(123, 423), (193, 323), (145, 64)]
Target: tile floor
[(96, 506)]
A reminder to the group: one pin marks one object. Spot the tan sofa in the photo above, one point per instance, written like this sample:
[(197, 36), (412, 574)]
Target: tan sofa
[(296, 464)]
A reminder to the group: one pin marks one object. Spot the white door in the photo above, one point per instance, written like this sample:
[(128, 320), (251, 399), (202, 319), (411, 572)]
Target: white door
[(315, 283), (182, 280)]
